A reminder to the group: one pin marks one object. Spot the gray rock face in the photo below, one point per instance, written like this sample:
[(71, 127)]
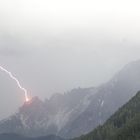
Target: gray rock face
[(76, 112)]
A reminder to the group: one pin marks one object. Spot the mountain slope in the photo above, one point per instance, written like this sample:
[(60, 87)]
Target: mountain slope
[(107, 99), (39, 118), (76, 112), (123, 125)]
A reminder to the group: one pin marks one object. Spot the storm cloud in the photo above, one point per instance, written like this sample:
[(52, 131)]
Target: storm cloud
[(55, 46)]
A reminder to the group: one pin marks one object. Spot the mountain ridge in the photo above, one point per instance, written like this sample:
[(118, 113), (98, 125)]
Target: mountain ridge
[(76, 112)]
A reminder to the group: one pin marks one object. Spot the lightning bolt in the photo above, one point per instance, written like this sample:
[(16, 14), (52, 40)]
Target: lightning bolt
[(17, 82)]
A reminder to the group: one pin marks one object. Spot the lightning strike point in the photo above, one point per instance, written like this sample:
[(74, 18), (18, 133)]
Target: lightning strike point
[(27, 99)]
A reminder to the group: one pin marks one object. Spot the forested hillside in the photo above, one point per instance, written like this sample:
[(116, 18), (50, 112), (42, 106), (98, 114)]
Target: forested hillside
[(123, 125)]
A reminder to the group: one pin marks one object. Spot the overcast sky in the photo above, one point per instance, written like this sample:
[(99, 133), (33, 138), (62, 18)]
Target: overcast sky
[(54, 46)]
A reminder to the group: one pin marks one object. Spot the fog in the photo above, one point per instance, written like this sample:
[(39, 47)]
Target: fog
[(55, 46)]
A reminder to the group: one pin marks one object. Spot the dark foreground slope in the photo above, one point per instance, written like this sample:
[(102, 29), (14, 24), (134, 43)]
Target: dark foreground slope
[(123, 125), (19, 137)]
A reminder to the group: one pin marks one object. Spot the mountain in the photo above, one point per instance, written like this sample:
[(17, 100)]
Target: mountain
[(123, 125), (38, 118), (20, 137), (76, 112), (106, 100)]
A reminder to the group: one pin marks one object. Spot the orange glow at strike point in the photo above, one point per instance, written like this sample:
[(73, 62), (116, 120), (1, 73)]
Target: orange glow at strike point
[(27, 98)]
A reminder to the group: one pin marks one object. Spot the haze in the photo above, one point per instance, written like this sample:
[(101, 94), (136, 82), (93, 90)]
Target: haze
[(55, 46)]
